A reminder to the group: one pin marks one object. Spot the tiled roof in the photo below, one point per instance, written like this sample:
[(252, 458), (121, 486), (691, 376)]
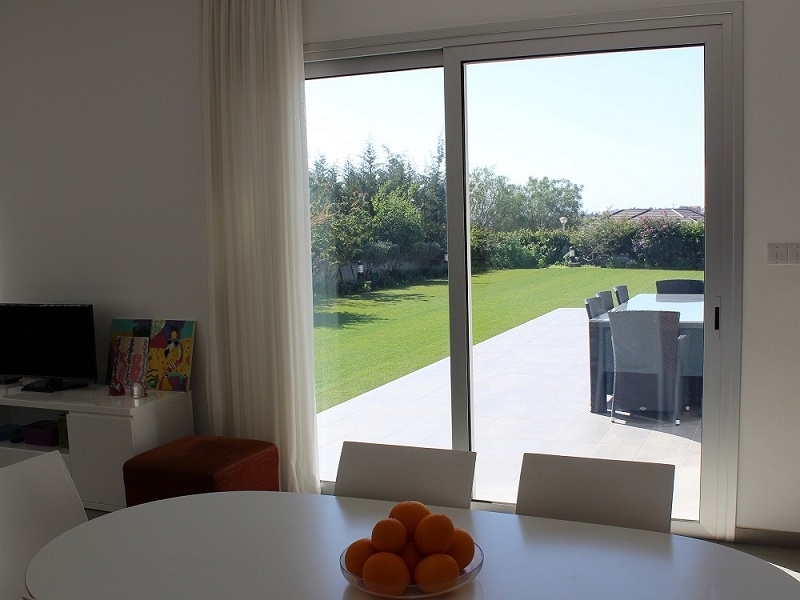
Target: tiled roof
[(684, 213)]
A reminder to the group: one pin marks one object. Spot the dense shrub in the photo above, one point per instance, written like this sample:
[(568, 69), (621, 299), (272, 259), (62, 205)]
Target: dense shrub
[(604, 241), (509, 251), (521, 249), (426, 254), (667, 244), (549, 246), (376, 254), (652, 243), (480, 243)]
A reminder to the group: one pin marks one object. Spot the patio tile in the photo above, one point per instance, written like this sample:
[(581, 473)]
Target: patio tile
[(532, 395), (626, 436), (616, 451), (660, 439), (673, 456), (545, 430), (504, 427)]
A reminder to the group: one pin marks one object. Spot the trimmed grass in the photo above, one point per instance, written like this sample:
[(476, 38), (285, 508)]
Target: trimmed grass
[(364, 341)]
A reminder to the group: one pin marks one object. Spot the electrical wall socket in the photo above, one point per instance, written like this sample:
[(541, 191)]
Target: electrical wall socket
[(794, 254), (778, 254)]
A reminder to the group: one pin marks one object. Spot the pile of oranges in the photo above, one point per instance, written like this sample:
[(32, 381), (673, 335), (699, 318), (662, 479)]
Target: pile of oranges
[(411, 546)]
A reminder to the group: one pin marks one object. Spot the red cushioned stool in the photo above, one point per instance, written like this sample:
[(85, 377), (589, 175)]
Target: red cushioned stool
[(198, 464)]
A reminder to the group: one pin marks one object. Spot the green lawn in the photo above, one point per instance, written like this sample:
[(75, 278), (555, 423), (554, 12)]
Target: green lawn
[(364, 341)]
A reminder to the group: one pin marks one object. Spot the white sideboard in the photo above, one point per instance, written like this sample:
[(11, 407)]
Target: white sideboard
[(104, 431)]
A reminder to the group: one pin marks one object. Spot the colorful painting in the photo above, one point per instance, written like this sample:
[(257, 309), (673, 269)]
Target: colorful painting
[(125, 327), (130, 360), (169, 361)]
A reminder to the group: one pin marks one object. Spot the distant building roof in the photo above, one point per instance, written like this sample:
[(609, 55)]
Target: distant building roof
[(684, 213)]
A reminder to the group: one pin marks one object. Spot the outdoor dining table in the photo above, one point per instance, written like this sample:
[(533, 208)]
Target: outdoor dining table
[(287, 545), (601, 351)]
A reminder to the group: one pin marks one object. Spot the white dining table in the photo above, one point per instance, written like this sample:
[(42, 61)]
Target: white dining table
[(690, 306), (279, 545)]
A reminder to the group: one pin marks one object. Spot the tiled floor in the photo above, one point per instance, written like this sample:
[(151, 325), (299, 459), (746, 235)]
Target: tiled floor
[(531, 395)]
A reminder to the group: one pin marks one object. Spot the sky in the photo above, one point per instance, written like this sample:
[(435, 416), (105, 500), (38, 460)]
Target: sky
[(627, 126)]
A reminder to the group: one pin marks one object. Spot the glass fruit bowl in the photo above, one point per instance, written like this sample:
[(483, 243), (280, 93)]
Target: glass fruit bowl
[(412, 591)]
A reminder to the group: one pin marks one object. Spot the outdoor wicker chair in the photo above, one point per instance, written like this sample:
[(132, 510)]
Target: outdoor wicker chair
[(594, 307), (607, 298), (647, 362), (680, 286)]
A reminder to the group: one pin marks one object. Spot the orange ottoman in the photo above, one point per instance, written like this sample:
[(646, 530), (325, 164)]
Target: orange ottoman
[(198, 464)]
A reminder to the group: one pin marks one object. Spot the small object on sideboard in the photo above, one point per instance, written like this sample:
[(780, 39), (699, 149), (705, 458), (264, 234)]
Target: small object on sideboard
[(9, 431), (41, 433)]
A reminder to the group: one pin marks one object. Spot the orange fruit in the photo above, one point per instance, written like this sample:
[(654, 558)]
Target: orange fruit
[(411, 556), (386, 573), (434, 534), (435, 573), (463, 548), (389, 535), (357, 554), (409, 513)]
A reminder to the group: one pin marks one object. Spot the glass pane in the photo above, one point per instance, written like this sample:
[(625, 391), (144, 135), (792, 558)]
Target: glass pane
[(377, 188), (585, 172)]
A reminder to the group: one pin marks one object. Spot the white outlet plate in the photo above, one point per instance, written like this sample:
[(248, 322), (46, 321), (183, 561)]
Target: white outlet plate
[(778, 254), (794, 254)]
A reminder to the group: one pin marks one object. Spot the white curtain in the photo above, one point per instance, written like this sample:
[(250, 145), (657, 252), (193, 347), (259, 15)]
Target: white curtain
[(260, 335)]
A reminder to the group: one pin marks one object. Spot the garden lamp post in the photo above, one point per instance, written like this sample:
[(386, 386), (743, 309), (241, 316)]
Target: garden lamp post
[(563, 223)]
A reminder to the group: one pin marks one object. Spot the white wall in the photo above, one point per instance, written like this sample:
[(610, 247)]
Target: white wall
[(769, 481), (101, 180)]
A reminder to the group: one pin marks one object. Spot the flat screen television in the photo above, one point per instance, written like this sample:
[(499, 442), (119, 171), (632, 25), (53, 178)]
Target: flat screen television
[(51, 342)]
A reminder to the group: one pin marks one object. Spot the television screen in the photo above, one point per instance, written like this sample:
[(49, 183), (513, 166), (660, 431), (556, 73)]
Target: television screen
[(54, 342)]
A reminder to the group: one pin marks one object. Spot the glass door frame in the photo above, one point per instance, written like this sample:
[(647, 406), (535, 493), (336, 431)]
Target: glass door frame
[(717, 27)]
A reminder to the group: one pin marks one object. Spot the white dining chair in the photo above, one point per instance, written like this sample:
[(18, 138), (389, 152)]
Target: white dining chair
[(621, 493), (435, 476), (38, 502)]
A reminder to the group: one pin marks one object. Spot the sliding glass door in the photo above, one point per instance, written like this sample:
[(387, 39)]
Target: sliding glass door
[(379, 236), (584, 172), (578, 158)]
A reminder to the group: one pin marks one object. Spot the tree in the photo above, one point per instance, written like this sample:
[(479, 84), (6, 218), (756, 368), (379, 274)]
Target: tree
[(397, 171), (386, 213), (539, 204), (324, 191), (351, 227), (552, 199), (339, 228), (431, 198), (397, 220), (368, 174), (488, 192)]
